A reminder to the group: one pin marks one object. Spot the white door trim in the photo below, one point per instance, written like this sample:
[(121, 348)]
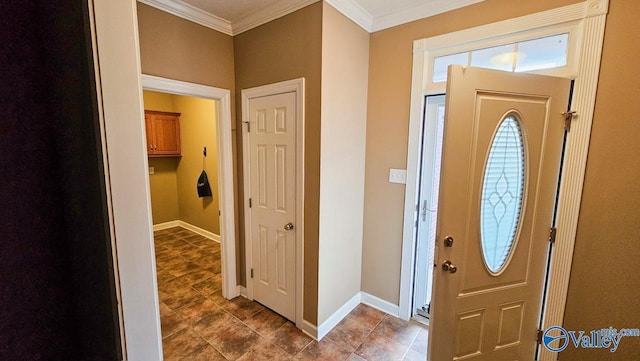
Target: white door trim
[(589, 19), (297, 86), (224, 137)]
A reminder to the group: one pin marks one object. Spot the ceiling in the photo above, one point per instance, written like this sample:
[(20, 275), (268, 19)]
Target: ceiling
[(233, 17)]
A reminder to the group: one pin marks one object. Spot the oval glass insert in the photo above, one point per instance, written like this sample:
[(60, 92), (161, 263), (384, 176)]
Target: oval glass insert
[(502, 194)]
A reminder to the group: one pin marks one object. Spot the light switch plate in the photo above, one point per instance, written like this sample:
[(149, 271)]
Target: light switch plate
[(398, 176), (152, 170)]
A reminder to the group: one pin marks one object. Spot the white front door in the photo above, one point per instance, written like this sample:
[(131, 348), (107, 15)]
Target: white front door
[(501, 158), (272, 145)]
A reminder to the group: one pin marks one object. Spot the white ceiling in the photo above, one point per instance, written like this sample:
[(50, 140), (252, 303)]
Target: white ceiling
[(236, 16)]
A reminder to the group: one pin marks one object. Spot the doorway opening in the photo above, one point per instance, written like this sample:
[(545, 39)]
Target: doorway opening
[(429, 182)]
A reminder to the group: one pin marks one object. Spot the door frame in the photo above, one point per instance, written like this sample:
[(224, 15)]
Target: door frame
[(585, 21), (225, 166), (298, 87)]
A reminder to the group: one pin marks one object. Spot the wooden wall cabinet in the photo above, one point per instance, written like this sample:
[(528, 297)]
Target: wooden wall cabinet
[(163, 133)]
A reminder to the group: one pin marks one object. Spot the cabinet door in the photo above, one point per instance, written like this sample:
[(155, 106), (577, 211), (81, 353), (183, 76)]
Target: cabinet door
[(166, 129), (149, 130), (163, 133)]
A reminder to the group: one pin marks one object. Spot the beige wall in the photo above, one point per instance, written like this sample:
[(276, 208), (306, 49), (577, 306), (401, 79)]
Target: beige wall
[(173, 191), (604, 288), (288, 48), (198, 130), (176, 48), (391, 56), (164, 182), (345, 66)]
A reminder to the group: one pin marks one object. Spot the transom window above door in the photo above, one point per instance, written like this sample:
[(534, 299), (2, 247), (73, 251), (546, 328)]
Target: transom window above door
[(530, 55)]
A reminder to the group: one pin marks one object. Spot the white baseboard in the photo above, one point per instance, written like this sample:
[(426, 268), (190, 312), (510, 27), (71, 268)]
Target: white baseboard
[(165, 225), (380, 304), (242, 291), (337, 316), (185, 225), (310, 330)]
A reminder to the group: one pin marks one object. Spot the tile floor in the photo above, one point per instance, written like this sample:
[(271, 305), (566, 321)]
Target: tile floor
[(199, 324)]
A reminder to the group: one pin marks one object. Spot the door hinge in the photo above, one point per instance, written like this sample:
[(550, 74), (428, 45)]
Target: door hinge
[(552, 235), (248, 126), (250, 203), (539, 334), (568, 117), (252, 273)]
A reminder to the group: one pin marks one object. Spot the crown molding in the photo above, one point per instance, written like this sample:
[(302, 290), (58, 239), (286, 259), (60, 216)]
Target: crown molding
[(355, 12), (191, 13), (417, 12), (268, 14)]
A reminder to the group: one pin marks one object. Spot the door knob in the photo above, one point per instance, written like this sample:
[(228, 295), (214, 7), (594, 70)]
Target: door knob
[(288, 226), (449, 267), (448, 241)]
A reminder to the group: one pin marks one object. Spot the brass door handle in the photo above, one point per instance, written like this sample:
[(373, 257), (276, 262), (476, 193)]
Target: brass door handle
[(288, 226), (449, 267)]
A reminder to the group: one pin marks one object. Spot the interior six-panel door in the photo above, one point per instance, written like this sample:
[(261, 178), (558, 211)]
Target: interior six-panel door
[(502, 147), (272, 139)]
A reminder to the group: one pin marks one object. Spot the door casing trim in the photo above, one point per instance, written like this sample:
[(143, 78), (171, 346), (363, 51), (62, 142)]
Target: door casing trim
[(590, 17), (298, 87)]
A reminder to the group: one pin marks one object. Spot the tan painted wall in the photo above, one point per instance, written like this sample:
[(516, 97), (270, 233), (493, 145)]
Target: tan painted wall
[(391, 56), (604, 288), (198, 130), (176, 48), (164, 182), (288, 48), (345, 67)]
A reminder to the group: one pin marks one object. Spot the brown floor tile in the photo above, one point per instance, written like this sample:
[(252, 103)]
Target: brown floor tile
[(413, 355), (183, 268), (264, 350), (367, 315), (182, 299), (209, 286), (213, 326), (171, 243), (207, 354), (379, 348), (243, 308), (181, 232), (354, 357), (349, 332), (399, 330), (235, 341), (217, 298), (199, 310), (325, 350), (163, 276), (289, 338), (182, 343), (420, 343), (176, 285), (265, 322), (164, 309), (196, 276), (171, 323), (184, 247)]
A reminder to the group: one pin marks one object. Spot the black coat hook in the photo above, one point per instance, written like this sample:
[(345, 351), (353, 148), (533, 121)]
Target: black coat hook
[(205, 151)]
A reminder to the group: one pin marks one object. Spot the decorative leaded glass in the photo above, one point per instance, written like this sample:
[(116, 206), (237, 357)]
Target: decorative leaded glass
[(502, 194)]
